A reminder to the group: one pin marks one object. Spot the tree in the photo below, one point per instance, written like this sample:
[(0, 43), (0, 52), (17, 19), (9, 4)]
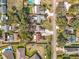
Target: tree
[(23, 32), (48, 51), (62, 39), (18, 17), (0, 32), (61, 21), (73, 1)]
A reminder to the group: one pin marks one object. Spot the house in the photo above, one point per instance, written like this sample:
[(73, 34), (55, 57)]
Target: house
[(15, 36), (4, 17), (38, 28), (37, 2), (72, 49), (20, 53), (69, 30), (3, 10), (36, 56), (37, 37), (38, 18), (3, 7), (5, 28), (7, 53), (77, 34), (36, 9), (10, 38)]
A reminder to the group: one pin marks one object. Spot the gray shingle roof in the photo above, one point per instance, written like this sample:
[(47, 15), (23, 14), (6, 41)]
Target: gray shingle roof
[(36, 56)]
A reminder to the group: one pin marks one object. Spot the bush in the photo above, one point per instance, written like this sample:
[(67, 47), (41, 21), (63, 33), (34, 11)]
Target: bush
[(0, 32), (21, 47), (31, 52), (48, 51), (10, 32), (27, 10), (66, 57)]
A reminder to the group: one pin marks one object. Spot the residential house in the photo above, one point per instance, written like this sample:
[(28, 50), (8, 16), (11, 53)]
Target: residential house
[(38, 18), (20, 53), (69, 30), (37, 37), (3, 10), (77, 34), (36, 56), (72, 49), (5, 28), (3, 7), (10, 38), (7, 53), (15, 36)]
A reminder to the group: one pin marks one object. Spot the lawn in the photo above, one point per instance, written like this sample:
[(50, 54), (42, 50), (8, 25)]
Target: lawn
[(71, 57)]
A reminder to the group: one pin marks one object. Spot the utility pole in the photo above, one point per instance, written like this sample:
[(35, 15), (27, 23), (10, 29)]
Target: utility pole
[(54, 38)]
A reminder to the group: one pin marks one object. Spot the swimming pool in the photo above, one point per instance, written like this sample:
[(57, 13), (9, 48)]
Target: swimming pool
[(30, 1)]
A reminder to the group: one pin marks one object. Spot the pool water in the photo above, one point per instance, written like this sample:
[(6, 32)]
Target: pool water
[(72, 38), (30, 1)]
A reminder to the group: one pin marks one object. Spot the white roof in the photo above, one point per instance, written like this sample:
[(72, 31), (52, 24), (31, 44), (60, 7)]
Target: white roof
[(48, 12), (5, 28), (0, 26), (67, 5), (37, 2), (48, 32)]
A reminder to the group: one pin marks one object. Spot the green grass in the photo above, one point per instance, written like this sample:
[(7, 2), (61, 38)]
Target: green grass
[(30, 53), (71, 57), (2, 48), (46, 24), (0, 57)]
